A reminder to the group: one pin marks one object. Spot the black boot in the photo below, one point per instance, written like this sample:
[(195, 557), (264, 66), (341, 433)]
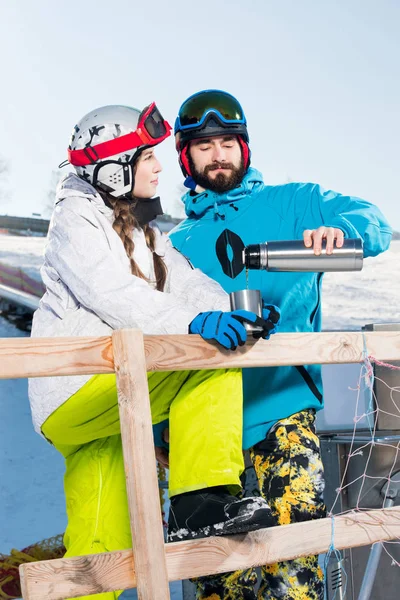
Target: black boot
[(212, 511)]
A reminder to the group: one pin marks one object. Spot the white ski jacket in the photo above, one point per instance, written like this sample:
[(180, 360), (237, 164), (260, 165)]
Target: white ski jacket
[(90, 290)]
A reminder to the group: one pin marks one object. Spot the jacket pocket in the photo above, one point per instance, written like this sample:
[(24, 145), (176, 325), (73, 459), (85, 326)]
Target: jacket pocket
[(59, 298)]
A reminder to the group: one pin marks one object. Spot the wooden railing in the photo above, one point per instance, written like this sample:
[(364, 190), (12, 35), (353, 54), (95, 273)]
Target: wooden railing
[(151, 563)]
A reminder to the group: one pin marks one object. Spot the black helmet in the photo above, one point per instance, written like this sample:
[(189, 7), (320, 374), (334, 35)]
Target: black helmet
[(210, 113)]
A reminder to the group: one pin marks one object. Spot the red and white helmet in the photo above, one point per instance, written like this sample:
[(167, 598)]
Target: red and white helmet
[(106, 142)]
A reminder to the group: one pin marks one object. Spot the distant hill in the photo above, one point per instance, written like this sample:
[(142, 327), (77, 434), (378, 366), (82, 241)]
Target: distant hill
[(23, 225)]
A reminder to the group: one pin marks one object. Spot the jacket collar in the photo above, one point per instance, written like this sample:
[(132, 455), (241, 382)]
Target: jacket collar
[(72, 185), (198, 204)]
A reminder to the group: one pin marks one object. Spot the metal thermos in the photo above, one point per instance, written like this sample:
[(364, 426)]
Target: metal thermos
[(292, 255)]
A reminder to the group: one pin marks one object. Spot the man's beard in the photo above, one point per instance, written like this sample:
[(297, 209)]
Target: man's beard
[(224, 181)]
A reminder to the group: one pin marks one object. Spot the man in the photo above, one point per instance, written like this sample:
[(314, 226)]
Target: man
[(228, 207)]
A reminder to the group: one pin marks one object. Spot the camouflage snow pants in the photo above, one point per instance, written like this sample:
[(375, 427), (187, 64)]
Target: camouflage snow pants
[(290, 475)]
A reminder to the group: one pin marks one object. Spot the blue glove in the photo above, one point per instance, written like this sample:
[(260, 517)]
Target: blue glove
[(271, 317), (226, 328)]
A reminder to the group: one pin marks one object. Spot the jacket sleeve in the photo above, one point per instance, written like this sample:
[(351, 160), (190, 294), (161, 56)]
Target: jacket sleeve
[(357, 218), (79, 251), (191, 285)]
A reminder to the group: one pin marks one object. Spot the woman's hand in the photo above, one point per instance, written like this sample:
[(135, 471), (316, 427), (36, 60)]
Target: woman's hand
[(227, 328)]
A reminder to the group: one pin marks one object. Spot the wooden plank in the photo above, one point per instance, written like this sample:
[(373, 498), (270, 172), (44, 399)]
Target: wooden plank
[(43, 357), (140, 465), (47, 357), (180, 352), (93, 574)]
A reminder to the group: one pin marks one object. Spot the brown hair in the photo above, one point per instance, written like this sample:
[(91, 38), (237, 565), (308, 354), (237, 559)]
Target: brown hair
[(124, 224)]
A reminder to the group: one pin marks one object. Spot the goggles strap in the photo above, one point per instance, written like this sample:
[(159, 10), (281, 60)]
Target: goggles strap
[(124, 143), (89, 155)]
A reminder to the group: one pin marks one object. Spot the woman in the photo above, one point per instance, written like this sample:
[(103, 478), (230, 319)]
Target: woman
[(107, 266)]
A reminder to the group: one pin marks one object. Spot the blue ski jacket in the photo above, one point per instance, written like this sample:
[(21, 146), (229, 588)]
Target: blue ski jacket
[(212, 237)]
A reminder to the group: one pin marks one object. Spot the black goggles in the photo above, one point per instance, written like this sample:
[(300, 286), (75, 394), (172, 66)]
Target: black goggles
[(153, 122), (194, 112)]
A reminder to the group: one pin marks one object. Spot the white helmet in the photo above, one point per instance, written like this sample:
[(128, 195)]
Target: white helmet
[(106, 142)]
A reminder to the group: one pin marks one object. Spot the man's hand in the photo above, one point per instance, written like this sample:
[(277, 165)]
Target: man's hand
[(314, 237), (162, 456)]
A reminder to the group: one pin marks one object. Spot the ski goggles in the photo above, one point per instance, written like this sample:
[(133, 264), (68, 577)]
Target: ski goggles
[(151, 130), (195, 111)]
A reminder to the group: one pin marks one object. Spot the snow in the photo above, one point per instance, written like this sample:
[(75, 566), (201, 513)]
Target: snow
[(31, 492), (23, 252), (350, 300)]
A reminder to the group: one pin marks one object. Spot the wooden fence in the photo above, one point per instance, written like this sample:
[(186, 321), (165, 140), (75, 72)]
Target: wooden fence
[(151, 563)]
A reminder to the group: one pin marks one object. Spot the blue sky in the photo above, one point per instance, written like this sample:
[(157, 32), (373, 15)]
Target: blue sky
[(319, 82)]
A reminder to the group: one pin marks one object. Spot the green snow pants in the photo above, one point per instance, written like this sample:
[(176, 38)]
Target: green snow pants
[(205, 421)]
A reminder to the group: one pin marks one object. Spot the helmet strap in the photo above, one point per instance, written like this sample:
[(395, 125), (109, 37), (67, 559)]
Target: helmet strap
[(245, 151), (184, 160), (128, 176), (106, 179)]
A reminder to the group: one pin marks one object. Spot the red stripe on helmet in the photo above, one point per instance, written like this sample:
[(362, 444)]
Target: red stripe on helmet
[(91, 154)]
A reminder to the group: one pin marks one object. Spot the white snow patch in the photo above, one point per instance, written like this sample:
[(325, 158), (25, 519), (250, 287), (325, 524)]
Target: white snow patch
[(23, 252)]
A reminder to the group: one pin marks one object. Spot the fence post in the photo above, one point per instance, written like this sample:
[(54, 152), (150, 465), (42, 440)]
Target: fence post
[(140, 465)]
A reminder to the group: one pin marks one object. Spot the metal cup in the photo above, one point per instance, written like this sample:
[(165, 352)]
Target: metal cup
[(247, 300)]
